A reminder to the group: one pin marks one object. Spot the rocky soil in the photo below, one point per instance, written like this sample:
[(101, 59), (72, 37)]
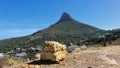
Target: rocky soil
[(93, 57)]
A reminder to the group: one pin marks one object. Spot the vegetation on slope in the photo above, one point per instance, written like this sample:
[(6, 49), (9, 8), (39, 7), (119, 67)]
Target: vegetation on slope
[(66, 30)]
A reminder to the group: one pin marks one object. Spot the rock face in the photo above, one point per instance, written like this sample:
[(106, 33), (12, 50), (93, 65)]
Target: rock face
[(65, 17), (53, 51)]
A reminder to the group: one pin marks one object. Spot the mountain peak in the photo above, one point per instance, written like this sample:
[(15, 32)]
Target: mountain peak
[(65, 17)]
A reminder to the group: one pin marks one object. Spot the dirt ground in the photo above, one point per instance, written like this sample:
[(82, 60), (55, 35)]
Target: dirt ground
[(93, 57)]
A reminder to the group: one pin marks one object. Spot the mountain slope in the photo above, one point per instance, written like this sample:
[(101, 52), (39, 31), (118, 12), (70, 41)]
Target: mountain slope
[(68, 25), (66, 30)]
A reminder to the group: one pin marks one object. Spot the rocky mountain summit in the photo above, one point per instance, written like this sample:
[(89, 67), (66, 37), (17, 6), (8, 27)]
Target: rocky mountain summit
[(65, 17)]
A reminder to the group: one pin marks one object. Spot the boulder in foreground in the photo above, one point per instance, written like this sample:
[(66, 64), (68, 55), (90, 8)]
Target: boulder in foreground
[(53, 51)]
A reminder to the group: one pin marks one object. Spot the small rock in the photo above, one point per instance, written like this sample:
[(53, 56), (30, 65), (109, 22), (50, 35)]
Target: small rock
[(37, 56), (83, 47), (77, 49)]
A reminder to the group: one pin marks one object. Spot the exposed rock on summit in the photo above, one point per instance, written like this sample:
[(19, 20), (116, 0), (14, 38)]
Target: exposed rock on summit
[(65, 17)]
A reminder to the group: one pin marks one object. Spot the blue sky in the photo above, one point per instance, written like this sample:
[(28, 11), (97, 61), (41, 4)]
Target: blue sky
[(24, 17)]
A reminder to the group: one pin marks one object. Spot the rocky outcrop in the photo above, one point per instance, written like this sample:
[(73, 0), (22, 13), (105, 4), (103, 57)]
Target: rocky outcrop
[(53, 51)]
